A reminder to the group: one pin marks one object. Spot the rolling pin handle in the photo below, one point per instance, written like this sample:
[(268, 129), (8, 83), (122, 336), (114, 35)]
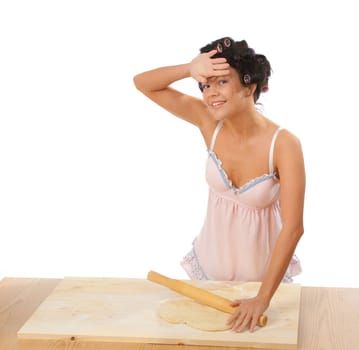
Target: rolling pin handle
[(262, 321)]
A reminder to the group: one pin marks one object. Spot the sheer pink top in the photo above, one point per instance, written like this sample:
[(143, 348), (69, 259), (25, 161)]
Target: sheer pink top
[(240, 227)]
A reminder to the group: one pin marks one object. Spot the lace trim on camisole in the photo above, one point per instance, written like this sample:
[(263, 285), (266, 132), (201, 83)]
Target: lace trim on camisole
[(229, 183)]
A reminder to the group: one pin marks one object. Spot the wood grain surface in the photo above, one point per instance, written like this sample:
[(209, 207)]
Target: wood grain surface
[(125, 311), (321, 324), (19, 298), (329, 319)]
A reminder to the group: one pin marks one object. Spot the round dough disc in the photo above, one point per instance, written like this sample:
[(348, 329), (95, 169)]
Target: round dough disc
[(196, 315)]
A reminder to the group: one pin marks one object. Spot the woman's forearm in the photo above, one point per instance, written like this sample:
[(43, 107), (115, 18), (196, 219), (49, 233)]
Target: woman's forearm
[(161, 78), (281, 257)]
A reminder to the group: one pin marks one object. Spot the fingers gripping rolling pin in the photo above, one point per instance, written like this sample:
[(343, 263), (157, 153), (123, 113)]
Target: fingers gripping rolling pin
[(198, 294)]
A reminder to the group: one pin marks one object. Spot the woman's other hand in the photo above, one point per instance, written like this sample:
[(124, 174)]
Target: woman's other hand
[(247, 313)]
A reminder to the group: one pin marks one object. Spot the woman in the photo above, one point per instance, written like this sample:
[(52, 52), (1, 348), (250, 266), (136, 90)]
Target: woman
[(255, 172)]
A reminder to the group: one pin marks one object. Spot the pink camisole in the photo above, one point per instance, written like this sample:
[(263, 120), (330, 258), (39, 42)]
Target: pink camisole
[(240, 228)]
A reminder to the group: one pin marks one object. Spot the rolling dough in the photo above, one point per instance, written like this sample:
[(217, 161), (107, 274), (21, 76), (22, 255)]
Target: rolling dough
[(188, 311), (203, 317)]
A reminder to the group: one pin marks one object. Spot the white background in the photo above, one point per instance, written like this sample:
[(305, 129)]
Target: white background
[(95, 180)]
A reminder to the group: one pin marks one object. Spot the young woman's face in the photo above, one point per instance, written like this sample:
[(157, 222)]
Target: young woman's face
[(225, 95)]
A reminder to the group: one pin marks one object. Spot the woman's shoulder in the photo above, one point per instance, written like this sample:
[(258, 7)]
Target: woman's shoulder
[(288, 147), (284, 134), (286, 141), (286, 137)]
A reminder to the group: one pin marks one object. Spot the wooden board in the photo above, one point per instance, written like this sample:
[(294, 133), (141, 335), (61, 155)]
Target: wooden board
[(125, 310)]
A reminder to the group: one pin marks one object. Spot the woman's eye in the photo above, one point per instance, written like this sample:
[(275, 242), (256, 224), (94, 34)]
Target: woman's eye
[(205, 86), (222, 82)]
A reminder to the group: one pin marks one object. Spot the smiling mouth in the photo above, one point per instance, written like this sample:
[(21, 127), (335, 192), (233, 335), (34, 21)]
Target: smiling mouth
[(217, 104)]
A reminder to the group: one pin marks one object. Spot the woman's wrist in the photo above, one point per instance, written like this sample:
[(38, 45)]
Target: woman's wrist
[(265, 294)]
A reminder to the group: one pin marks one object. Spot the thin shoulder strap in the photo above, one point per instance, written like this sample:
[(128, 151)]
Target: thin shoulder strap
[(215, 133), (271, 150)]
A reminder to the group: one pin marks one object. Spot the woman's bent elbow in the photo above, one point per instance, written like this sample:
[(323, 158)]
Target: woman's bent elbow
[(298, 232)]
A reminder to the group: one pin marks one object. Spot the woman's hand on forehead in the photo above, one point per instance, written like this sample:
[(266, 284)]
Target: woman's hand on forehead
[(204, 66)]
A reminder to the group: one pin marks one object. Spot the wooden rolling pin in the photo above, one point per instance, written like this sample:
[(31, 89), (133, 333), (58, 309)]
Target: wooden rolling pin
[(198, 294)]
